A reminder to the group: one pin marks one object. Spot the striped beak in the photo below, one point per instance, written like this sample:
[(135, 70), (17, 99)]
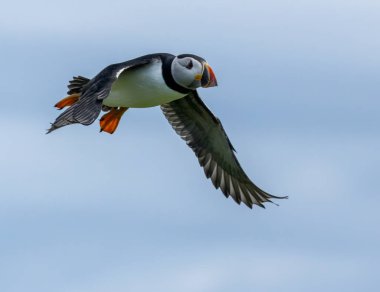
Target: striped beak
[(208, 77)]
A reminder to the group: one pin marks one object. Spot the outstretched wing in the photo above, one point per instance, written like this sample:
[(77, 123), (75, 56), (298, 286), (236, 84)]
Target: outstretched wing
[(203, 132), (89, 105)]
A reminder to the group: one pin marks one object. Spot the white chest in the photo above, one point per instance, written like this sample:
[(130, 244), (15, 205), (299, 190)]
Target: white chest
[(141, 87)]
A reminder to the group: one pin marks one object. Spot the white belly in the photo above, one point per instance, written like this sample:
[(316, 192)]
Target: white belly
[(141, 87)]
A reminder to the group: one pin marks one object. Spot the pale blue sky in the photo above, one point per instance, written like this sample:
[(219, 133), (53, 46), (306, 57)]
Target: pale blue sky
[(299, 97)]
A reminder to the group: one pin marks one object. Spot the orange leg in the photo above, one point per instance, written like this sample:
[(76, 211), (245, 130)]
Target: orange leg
[(67, 101), (110, 121)]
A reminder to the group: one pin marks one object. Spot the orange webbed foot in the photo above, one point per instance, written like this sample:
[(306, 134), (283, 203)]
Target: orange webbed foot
[(110, 121), (67, 101)]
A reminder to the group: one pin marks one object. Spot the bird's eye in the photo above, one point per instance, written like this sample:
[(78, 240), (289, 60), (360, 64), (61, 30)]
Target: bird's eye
[(190, 64)]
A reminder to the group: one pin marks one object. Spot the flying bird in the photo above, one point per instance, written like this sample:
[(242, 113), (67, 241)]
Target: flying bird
[(170, 82)]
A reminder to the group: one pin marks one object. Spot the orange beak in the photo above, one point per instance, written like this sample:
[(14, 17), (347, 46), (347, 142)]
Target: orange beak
[(208, 77)]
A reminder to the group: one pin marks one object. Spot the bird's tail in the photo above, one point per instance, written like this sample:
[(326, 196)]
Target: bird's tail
[(78, 111), (77, 84)]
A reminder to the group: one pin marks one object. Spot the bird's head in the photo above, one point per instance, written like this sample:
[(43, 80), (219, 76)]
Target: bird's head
[(191, 71)]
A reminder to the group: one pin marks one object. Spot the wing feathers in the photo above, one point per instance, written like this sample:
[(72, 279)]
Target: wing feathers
[(93, 92), (204, 134)]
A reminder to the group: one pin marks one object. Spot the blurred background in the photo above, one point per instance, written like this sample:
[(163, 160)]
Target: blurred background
[(298, 95)]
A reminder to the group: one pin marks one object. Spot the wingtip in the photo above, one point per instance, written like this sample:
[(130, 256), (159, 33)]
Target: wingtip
[(249, 206), (51, 129), (277, 197), (270, 201)]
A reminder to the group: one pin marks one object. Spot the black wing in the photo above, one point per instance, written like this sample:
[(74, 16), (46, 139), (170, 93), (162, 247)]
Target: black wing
[(203, 132), (89, 105)]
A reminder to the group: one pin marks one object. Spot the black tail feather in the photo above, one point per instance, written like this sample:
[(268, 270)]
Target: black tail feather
[(77, 84)]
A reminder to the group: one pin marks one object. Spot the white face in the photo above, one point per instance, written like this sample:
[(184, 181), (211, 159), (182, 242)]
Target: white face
[(187, 72)]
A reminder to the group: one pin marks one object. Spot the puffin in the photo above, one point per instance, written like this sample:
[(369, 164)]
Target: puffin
[(170, 82)]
